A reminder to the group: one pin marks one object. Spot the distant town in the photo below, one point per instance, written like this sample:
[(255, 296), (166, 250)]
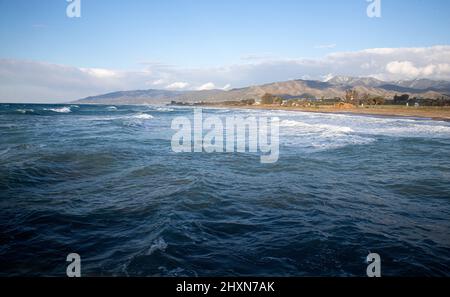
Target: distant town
[(352, 99)]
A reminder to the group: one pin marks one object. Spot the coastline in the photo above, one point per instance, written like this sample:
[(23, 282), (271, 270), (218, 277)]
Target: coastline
[(432, 113)]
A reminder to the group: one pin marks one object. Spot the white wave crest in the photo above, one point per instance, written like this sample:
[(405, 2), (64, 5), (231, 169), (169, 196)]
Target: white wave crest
[(164, 109), (413, 130), (142, 116), (24, 111), (60, 110), (317, 127), (310, 136), (158, 245)]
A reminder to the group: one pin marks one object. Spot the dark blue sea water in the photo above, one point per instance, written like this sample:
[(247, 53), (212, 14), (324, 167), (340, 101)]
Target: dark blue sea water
[(103, 182)]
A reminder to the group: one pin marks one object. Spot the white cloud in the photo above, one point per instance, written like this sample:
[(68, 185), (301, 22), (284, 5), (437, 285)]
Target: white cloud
[(226, 87), (207, 86), (328, 76), (408, 70), (405, 68), (31, 81), (100, 73), (178, 85), (158, 82)]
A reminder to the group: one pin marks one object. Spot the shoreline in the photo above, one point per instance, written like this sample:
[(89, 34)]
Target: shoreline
[(422, 112), (432, 113)]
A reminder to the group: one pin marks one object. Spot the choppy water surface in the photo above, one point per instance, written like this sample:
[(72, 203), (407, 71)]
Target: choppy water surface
[(103, 182)]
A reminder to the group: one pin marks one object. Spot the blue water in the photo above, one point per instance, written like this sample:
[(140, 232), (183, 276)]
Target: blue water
[(103, 182)]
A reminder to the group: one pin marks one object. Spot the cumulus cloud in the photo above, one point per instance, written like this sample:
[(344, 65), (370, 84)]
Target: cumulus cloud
[(226, 87), (179, 85), (207, 86), (157, 82), (408, 69), (100, 73), (403, 68), (32, 81)]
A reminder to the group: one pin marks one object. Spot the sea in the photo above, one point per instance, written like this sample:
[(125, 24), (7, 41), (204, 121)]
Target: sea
[(103, 182)]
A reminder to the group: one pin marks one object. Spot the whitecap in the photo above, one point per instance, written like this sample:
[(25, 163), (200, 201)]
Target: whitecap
[(316, 127), (142, 116), (60, 110), (223, 110), (165, 109), (413, 130), (24, 111), (111, 108), (320, 137), (342, 142), (158, 245)]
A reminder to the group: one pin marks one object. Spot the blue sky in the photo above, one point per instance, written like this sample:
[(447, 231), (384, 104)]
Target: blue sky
[(121, 34), (203, 44)]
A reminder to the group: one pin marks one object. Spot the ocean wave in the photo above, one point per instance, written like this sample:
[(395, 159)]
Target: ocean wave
[(158, 245), (343, 142), (60, 110), (142, 116), (111, 108), (25, 111), (164, 109), (222, 110), (4, 152), (316, 127), (319, 137), (7, 126), (318, 142), (135, 118), (413, 130)]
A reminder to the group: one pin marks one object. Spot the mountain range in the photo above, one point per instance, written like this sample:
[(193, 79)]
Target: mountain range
[(331, 88)]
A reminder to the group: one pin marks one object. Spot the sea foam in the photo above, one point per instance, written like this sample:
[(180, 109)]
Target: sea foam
[(25, 111), (60, 110), (158, 245), (142, 116), (316, 127), (164, 109)]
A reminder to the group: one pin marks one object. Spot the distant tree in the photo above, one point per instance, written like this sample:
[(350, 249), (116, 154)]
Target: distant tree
[(403, 99), (379, 100), (307, 96), (278, 100), (351, 96), (267, 98), (365, 99), (248, 101)]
